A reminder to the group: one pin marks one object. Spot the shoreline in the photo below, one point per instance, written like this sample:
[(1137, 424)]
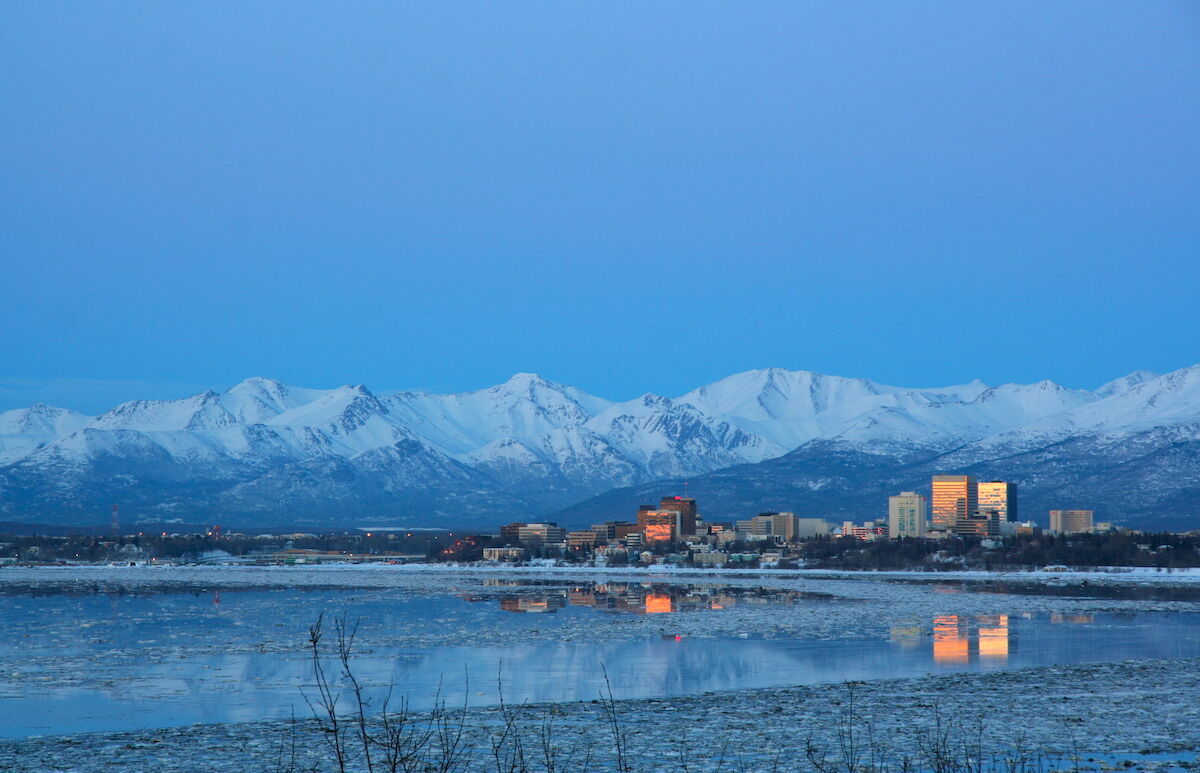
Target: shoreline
[(1040, 707), (1105, 574)]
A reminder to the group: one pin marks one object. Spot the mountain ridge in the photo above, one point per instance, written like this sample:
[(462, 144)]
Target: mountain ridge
[(266, 451)]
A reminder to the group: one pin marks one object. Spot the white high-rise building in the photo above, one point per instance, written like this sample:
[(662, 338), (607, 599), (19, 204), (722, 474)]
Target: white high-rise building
[(906, 515)]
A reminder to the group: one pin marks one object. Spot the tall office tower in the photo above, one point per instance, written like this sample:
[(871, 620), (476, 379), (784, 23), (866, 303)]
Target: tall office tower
[(658, 525), (1071, 521), (954, 496), (686, 507), (999, 497), (906, 515)]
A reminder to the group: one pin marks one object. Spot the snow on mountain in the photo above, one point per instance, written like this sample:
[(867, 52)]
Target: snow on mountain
[(525, 408), (1136, 403), (1125, 383), (25, 429), (794, 407), (668, 437), (534, 443), (1168, 399), (40, 420), (256, 400)]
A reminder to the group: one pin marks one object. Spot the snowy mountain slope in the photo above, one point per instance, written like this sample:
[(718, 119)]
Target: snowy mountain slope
[(267, 450), (791, 408), (1134, 405), (23, 430), (669, 437), (1125, 383), (525, 408)]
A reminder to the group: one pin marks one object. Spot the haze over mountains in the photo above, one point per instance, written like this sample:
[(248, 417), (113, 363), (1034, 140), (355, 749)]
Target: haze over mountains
[(265, 453)]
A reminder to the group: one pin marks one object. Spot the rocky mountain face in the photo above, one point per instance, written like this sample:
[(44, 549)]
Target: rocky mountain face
[(264, 453)]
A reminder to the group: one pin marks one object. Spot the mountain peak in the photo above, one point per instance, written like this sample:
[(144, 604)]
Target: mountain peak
[(257, 383), (528, 381), (1125, 383)]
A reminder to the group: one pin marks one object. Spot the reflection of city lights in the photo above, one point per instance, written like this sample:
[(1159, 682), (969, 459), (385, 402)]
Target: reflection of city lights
[(993, 641), (639, 597), (657, 603), (949, 645)]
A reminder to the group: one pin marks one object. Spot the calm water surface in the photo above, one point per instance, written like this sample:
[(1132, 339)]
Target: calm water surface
[(103, 661)]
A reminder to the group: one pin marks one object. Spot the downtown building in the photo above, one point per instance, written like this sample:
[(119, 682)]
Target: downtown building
[(1071, 521), (954, 497), (965, 507), (906, 515), (998, 497)]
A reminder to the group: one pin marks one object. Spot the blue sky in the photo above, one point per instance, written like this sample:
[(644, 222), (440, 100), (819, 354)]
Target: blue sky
[(626, 197)]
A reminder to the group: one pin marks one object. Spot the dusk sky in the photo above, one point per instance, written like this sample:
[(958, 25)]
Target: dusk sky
[(625, 197)]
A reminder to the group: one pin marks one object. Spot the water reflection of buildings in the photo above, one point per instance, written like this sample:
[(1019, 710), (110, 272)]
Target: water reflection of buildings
[(549, 603), (1059, 618), (958, 640), (646, 598)]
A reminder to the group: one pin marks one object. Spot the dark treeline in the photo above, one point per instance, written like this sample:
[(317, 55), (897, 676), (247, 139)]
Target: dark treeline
[(143, 547)]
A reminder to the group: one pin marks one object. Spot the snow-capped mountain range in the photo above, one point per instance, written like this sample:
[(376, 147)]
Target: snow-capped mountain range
[(267, 452)]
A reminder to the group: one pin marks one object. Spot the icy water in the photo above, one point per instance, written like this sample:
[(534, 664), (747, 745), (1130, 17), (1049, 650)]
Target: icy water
[(96, 658)]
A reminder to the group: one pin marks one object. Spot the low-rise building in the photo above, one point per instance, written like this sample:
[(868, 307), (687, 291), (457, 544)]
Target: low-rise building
[(977, 524), (504, 554), (581, 540), (541, 532)]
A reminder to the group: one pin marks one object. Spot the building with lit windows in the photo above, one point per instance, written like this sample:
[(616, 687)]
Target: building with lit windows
[(658, 525), (686, 508), (906, 515), (954, 497), (998, 496)]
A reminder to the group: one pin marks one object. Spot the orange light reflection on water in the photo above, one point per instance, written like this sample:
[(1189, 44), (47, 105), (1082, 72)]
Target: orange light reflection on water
[(950, 646)]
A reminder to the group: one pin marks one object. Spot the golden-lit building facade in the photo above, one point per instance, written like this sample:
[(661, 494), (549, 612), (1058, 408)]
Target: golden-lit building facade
[(658, 525), (954, 497), (998, 496)]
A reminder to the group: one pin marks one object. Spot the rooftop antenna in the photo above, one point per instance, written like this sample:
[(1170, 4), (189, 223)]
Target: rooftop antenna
[(115, 526)]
